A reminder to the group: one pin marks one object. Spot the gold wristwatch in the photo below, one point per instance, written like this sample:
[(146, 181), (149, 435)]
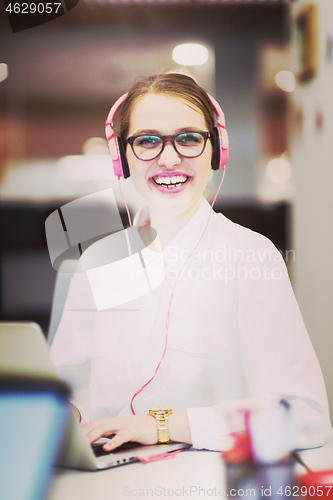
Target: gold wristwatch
[(162, 422)]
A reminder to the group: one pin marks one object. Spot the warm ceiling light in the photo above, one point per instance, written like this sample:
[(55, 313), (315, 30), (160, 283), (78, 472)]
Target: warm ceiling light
[(285, 80), (95, 146), (3, 71), (279, 170), (190, 54)]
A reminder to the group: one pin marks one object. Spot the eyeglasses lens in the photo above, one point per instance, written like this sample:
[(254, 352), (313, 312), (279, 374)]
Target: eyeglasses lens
[(147, 147), (190, 144)]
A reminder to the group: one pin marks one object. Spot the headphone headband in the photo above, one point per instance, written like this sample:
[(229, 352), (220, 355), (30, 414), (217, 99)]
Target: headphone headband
[(220, 141)]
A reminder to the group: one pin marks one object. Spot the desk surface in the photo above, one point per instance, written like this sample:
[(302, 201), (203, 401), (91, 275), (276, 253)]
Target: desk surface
[(192, 474), (186, 472)]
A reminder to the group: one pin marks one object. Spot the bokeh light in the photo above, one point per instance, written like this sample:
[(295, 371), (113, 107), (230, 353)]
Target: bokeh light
[(279, 170), (285, 80), (190, 54), (95, 146), (3, 71)]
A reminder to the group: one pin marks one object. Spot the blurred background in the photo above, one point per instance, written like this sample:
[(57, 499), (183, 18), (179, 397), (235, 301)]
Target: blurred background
[(270, 66)]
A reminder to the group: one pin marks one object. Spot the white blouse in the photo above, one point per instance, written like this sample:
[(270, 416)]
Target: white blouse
[(235, 337)]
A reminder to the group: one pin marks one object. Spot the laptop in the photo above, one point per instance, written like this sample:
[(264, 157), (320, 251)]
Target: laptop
[(33, 417), (24, 352)]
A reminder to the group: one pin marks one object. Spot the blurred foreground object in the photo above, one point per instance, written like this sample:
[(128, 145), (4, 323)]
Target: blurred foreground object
[(317, 484), (261, 436), (260, 463), (33, 418)]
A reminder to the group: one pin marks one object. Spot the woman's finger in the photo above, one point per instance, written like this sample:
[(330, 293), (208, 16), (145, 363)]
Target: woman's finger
[(116, 441), (100, 431)]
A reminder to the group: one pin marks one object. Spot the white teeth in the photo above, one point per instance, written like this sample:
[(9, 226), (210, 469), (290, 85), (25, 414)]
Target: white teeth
[(174, 180)]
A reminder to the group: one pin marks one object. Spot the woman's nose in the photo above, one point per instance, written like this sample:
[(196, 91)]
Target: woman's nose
[(169, 156)]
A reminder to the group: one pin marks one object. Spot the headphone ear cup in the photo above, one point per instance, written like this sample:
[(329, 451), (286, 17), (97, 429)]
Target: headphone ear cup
[(123, 158), (216, 149)]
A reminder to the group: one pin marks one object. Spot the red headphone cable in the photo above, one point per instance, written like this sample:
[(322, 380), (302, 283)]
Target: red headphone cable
[(171, 299)]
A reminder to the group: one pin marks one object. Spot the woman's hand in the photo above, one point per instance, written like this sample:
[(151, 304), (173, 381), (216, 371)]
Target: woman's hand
[(139, 428)]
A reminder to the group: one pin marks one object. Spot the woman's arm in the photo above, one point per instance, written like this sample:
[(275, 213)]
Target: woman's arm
[(70, 350), (278, 357), (138, 428)]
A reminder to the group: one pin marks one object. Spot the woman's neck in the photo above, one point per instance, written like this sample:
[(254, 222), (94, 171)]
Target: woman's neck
[(169, 224)]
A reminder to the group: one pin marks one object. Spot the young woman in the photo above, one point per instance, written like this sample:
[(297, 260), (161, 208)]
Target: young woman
[(221, 332)]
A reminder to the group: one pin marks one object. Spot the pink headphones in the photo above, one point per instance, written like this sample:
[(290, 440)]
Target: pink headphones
[(220, 141)]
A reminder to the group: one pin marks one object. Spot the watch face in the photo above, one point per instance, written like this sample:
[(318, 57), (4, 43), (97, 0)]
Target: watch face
[(159, 410)]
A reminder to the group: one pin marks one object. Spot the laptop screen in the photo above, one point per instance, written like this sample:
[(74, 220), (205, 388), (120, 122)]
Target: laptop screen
[(33, 417)]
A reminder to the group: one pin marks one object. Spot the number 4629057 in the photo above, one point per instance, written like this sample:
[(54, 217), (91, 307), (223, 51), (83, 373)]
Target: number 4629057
[(305, 491), (32, 8)]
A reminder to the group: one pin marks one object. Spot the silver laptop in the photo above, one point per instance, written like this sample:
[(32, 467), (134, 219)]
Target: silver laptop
[(24, 351)]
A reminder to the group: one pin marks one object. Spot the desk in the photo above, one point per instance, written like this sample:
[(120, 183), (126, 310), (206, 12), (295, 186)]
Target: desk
[(181, 476), (167, 478)]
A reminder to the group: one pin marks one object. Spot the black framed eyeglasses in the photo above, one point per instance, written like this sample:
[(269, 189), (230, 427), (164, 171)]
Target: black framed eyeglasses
[(189, 144)]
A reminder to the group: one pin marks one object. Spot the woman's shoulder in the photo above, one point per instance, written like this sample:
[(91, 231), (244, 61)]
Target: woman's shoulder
[(238, 236)]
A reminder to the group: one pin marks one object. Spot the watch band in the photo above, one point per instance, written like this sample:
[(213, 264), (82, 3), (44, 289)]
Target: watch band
[(162, 422)]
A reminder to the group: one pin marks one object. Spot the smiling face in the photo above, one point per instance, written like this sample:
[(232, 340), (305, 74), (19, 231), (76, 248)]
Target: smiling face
[(164, 115)]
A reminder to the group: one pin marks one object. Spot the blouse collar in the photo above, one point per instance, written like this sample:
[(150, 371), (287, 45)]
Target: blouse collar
[(189, 235)]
